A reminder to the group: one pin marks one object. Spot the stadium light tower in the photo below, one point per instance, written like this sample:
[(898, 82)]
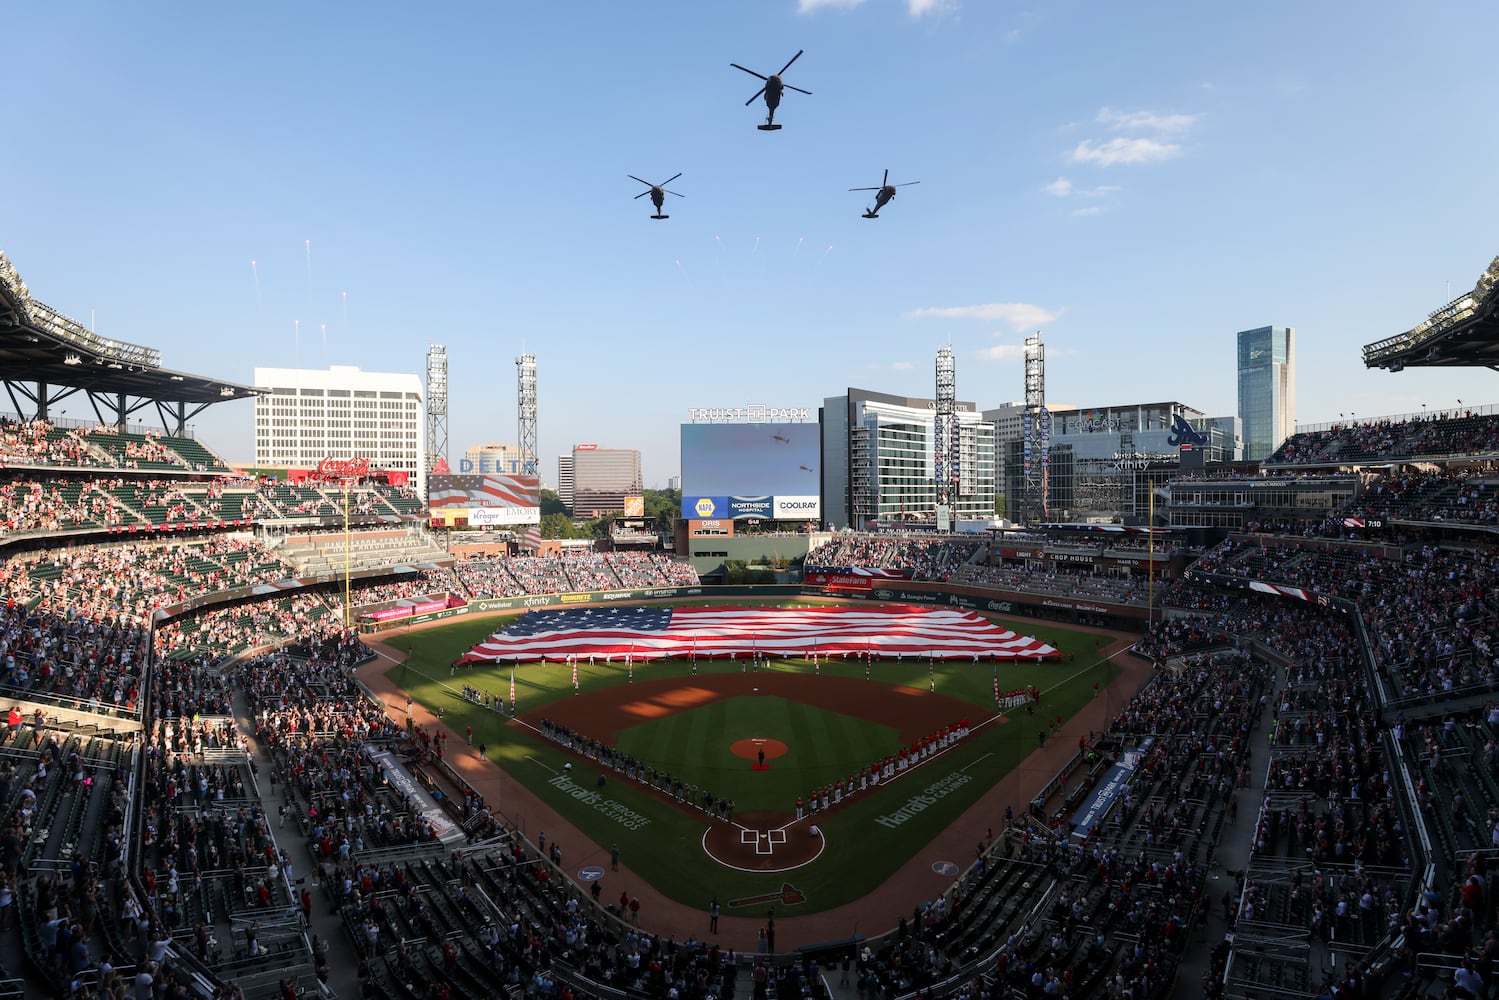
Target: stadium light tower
[(945, 435), (437, 405), (1036, 433), (525, 412)]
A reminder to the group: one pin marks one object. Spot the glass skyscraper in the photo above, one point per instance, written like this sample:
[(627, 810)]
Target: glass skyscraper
[(1267, 388)]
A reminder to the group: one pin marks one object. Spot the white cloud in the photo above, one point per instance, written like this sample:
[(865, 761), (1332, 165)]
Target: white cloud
[(1013, 35), (1122, 150), (1017, 315), (901, 366), (1001, 352), (1150, 121), (1088, 210), (921, 8), (808, 6), (1062, 188)]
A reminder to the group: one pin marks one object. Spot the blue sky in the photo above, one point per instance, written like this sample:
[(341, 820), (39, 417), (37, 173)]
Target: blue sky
[(1136, 181)]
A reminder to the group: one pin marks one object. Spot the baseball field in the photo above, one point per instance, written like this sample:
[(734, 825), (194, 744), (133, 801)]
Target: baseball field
[(664, 760)]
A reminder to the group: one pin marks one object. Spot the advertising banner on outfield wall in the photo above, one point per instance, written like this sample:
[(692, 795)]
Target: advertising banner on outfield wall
[(742, 508), (705, 507), (798, 508), (715, 528)]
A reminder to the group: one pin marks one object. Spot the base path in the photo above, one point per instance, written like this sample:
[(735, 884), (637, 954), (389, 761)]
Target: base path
[(875, 913)]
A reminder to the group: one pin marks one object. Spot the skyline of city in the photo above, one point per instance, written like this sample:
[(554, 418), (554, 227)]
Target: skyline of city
[(1184, 173)]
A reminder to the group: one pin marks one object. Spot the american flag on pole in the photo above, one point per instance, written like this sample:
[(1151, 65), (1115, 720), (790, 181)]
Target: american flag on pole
[(649, 633)]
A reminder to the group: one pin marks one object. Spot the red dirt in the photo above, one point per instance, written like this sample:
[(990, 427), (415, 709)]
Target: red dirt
[(914, 713), (752, 748)]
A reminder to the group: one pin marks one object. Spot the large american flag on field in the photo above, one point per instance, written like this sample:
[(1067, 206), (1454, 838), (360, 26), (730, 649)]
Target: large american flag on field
[(483, 491), (648, 633)]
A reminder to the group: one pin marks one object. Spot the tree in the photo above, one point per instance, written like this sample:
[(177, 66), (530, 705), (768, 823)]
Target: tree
[(551, 503), (559, 525)]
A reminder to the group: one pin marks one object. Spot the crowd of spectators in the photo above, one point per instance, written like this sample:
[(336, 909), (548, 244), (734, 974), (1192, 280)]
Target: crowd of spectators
[(515, 576), (134, 449), (238, 627), (921, 557), (1443, 495), (28, 505), (647, 569), (1439, 434), (97, 660), (37, 442), (1118, 589), (425, 583), (130, 580)]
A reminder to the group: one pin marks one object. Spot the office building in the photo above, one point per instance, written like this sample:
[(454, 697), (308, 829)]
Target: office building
[(878, 461), (1267, 388), (306, 415), (565, 481), (603, 478)]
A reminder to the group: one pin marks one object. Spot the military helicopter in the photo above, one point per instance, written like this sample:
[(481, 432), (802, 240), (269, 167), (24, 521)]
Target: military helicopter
[(657, 192), (772, 91), (886, 192)]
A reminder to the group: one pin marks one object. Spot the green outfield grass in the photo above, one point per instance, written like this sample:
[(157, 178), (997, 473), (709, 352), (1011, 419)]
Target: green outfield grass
[(822, 746), (867, 840)]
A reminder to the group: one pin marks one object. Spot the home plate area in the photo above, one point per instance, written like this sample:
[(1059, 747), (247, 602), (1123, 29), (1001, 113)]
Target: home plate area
[(762, 842)]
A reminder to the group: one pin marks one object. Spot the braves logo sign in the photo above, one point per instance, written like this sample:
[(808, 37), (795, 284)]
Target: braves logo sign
[(1183, 434)]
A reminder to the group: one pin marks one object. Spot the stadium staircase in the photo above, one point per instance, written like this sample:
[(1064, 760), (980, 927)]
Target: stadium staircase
[(324, 555)]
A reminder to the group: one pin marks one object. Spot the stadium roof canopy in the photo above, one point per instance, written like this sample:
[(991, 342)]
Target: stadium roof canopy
[(47, 357), (1462, 334)]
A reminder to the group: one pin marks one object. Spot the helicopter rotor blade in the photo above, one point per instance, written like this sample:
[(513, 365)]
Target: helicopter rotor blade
[(669, 179), (887, 177), (641, 195), (864, 189), (791, 60), (905, 184), (634, 178), (677, 193), (797, 89), (752, 100), (750, 71)]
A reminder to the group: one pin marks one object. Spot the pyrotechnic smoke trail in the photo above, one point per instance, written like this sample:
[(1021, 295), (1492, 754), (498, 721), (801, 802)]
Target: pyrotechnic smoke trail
[(346, 313), (325, 343), (297, 332), (684, 271), (756, 248), (824, 255), (795, 253)]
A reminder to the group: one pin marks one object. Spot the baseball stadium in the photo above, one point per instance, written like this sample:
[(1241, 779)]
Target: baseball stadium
[(284, 736)]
